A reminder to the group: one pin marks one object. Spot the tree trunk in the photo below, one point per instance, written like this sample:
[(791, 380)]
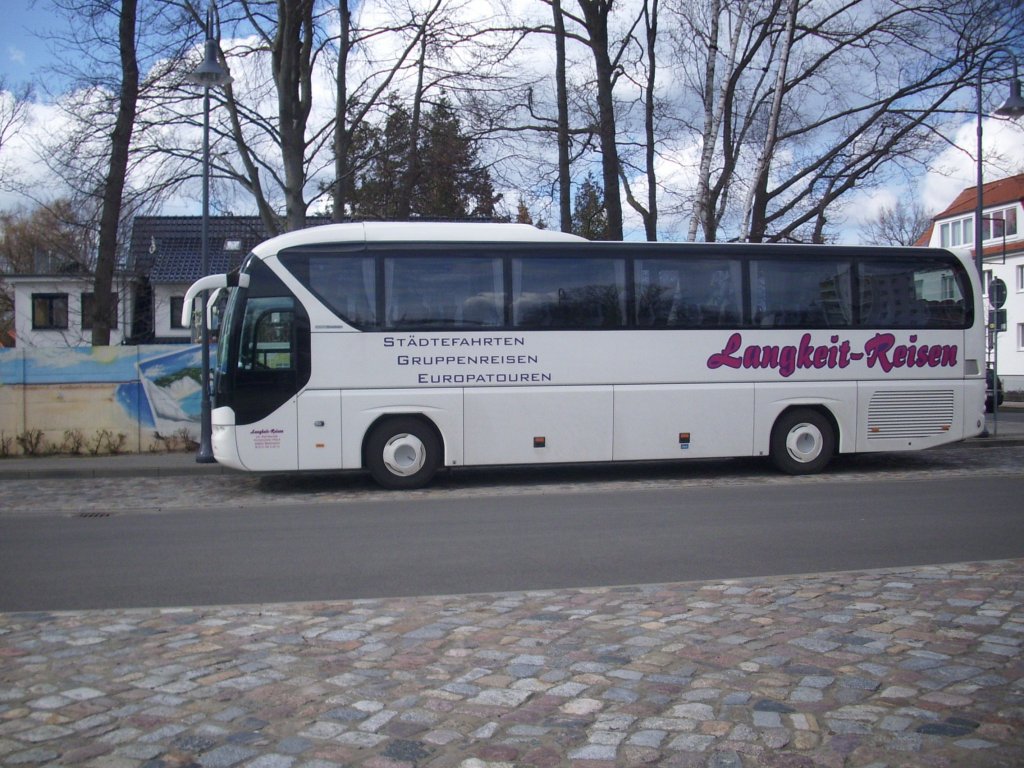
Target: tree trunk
[(292, 57), (113, 187), (342, 138), (651, 28), (564, 168), (755, 223), (702, 208), (596, 14), (413, 164)]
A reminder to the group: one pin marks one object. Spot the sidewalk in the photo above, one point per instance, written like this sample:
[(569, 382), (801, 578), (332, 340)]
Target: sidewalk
[(177, 464), (903, 667), (121, 465)]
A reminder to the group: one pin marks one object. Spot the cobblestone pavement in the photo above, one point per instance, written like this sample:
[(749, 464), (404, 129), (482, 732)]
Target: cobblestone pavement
[(898, 667), (144, 494)]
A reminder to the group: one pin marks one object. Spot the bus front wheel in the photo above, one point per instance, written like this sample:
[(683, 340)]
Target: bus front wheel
[(803, 441), (403, 453)]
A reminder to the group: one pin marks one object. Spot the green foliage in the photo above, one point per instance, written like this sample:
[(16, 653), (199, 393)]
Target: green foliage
[(435, 174), (379, 189), (589, 218), (193, 372)]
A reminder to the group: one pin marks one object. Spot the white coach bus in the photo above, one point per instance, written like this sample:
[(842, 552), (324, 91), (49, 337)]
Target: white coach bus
[(402, 348)]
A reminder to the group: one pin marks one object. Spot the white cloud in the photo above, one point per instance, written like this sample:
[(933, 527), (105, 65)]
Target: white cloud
[(864, 206), (956, 168), (20, 161)]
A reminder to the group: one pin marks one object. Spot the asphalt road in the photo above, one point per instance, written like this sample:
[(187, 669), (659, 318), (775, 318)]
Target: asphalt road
[(360, 549)]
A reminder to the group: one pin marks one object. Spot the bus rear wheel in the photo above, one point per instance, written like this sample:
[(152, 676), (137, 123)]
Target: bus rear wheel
[(803, 442), (403, 453)]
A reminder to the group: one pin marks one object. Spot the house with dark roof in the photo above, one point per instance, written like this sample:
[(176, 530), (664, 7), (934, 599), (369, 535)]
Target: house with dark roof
[(1002, 229), (165, 258), (53, 308)]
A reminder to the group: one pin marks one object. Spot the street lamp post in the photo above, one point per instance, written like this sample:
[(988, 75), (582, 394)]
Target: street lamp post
[(208, 74), (1012, 107)]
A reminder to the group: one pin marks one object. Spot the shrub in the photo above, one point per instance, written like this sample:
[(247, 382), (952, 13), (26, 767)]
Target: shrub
[(31, 442)]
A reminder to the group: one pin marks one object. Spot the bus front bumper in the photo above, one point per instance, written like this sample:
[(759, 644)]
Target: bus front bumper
[(222, 438)]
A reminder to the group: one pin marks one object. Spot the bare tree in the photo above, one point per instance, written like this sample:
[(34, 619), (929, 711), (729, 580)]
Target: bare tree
[(113, 187), (785, 106), (106, 50), (595, 20), (14, 104), (283, 160), (562, 132), (448, 53), (291, 62), (715, 41), (901, 224), (278, 148), (526, 135), (803, 101), (361, 93), (647, 85)]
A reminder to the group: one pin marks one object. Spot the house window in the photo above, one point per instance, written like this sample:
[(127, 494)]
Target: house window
[(88, 307), (948, 287), (959, 232), (49, 311), (1020, 337), (1020, 277), (999, 224), (177, 305), (986, 282)]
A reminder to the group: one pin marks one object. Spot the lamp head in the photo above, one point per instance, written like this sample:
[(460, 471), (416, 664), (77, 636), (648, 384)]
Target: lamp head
[(1014, 104), (210, 72)]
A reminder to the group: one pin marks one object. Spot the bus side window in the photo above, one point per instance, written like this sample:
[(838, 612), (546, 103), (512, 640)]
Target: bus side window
[(918, 293), (569, 293), (801, 293), (425, 291), (691, 293)]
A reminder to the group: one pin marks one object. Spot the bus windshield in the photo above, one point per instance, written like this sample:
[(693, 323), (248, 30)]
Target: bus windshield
[(234, 298)]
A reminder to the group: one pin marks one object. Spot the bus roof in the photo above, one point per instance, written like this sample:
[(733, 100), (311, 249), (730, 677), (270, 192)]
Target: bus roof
[(409, 231), (491, 232)]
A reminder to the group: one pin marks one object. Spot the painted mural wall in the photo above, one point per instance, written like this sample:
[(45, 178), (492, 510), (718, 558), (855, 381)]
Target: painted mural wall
[(100, 400)]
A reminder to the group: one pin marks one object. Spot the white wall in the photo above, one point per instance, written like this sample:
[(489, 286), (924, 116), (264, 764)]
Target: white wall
[(73, 335), (1010, 360), (162, 294)]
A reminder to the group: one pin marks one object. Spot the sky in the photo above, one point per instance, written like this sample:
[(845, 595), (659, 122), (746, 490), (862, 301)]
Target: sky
[(24, 54)]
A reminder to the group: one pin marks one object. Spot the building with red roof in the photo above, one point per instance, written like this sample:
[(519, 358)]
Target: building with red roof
[(1002, 229)]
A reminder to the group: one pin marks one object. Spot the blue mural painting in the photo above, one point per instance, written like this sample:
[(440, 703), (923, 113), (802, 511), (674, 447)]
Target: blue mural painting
[(158, 386)]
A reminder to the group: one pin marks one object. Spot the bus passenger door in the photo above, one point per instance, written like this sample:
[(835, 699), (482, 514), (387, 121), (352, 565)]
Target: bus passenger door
[(268, 375), (319, 429)]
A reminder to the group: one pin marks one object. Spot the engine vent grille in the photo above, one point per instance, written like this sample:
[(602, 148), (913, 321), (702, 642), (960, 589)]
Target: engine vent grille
[(910, 414)]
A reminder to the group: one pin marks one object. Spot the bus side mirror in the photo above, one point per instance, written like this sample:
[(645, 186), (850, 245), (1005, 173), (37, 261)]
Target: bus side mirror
[(209, 283)]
